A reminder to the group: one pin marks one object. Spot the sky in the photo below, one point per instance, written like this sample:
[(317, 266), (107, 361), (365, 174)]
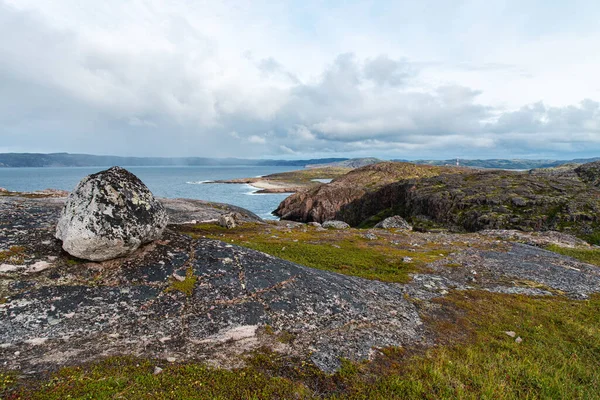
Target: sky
[(301, 79)]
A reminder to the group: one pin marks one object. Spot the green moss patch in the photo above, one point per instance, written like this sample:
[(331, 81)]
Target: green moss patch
[(343, 252), (590, 256), (185, 286), (14, 255)]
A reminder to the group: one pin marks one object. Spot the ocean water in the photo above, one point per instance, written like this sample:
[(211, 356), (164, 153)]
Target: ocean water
[(172, 182)]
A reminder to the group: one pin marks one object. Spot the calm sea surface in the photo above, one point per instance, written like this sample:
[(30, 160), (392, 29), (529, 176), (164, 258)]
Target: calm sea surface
[(171, 182)]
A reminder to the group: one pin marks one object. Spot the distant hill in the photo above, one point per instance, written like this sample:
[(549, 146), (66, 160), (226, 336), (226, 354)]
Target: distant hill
[(504, 163), (351, 163), (88, 160)]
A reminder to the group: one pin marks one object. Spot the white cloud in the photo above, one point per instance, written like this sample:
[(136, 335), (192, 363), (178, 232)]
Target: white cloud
[(397, 79), (257, 139)]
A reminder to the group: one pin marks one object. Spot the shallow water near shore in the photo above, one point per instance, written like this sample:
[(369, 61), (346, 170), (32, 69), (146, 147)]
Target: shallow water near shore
[(171, 182)]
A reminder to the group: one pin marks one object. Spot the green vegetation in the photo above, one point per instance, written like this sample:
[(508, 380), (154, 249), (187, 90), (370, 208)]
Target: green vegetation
[(185, 286), (306, 176), (7, 380), (14, 255), (587, 255), (343, 252), (559, 357)]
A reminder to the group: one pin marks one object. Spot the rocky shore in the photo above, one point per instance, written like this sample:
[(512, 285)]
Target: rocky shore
[(185, 297), (290, 182)]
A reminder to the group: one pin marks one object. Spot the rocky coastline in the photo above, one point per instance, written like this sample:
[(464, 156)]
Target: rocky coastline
[(210, 293)]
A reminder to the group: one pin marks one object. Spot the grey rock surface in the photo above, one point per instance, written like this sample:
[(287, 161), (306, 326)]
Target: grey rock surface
[(227, 221), (73, 311), (108, 215), (396, 222), (335, 225)]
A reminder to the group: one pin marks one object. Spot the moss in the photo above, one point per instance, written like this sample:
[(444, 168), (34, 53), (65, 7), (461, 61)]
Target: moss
[(592, 238), (7, 381), (14, 255), (587, 255), (185, 286), (286, 337), (339, 251)]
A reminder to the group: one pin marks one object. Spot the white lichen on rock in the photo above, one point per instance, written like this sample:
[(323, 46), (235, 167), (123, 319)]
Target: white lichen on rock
[(108, 215)]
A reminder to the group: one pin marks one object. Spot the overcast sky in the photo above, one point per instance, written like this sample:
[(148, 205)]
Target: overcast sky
[(304, 78)]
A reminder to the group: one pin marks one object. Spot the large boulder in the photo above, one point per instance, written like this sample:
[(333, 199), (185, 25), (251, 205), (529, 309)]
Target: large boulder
[(109, 215), (335, 225)]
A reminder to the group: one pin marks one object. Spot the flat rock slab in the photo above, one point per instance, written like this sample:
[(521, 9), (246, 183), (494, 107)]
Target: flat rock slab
[(520, 269), (237, 291)]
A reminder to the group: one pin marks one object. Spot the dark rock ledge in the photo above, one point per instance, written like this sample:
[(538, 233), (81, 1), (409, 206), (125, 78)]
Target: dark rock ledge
[(56, 310)]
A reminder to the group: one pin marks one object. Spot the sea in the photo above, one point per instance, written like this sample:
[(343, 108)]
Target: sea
[(171, 182)]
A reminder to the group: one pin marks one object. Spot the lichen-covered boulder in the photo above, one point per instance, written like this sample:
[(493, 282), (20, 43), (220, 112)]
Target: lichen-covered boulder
[(109, 215), (335, 225), (394, 222)]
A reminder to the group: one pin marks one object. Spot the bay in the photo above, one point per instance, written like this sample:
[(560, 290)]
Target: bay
[(170, 182)]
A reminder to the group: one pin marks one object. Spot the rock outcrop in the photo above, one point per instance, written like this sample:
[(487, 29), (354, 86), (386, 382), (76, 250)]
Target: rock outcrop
[(236, 300), (323, 202), (485, 200), (395, 222), (108, 215), (227, 221), (335, 225)]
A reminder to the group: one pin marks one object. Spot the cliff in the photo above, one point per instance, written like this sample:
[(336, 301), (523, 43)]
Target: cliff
[(323, 202)]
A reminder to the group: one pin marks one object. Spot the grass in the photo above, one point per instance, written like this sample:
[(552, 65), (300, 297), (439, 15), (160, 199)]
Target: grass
[(587, 255), (306, 176), (343, 252), (559, 358), (185, 286)]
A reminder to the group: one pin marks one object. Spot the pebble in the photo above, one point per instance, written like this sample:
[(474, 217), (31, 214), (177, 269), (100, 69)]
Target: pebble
[(518, 340), (511, 333), (157, 370)]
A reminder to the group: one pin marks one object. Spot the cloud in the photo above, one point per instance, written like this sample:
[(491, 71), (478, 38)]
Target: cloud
[(176, 79), (257, 139)]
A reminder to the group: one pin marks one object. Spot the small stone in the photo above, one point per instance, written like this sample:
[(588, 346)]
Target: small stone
[(157, 370), (370, 236), (518, 340), (171, 359), (36, 341), (178, 277), (407, 259), (315, 224), (164, 339), (511, 333)]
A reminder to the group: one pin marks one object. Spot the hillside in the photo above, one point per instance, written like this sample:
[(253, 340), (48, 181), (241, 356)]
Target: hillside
[(322, 203), (352, 163), (522, 164), (88, 160), (564, 199)]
